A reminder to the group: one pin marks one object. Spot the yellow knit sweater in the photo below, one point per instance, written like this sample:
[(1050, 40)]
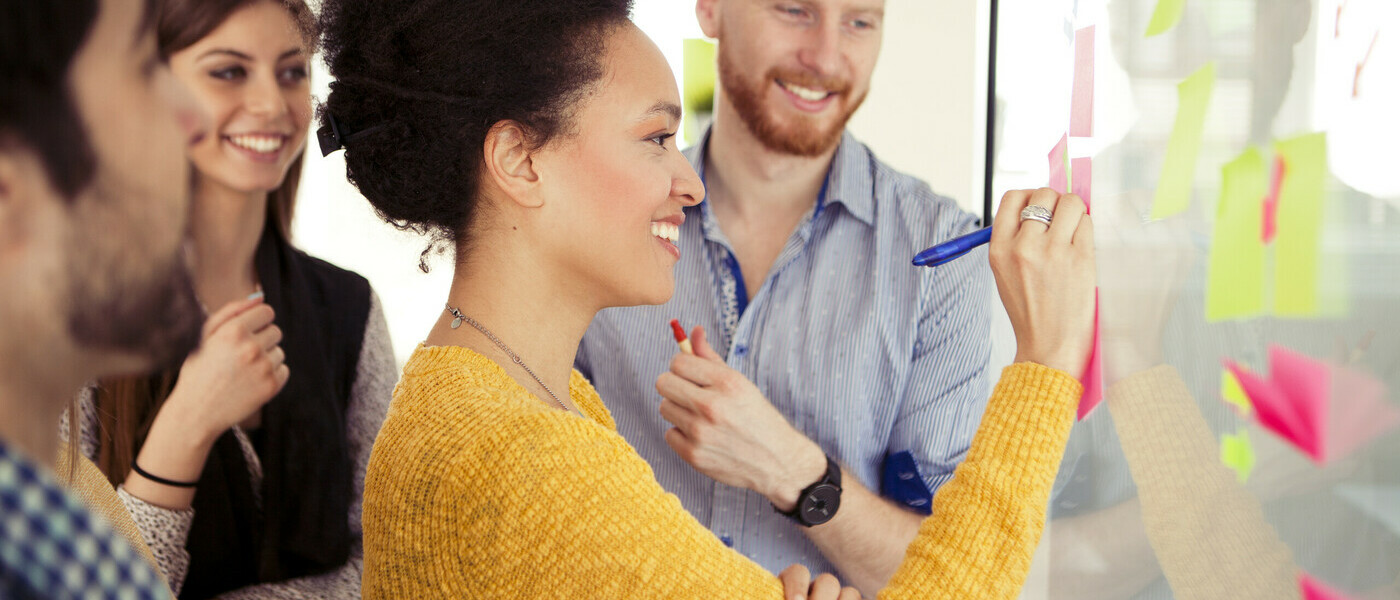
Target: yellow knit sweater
[(477, 489)]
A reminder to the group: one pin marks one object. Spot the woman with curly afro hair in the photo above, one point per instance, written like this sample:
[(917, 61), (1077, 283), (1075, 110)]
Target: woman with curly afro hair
[(534, 141)]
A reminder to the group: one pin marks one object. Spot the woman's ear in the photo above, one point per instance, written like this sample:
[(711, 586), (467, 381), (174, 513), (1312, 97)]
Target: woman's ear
[(510, 163)]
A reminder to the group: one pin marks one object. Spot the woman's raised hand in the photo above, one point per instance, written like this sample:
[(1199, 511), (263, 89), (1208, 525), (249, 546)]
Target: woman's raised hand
[(1045, 274)]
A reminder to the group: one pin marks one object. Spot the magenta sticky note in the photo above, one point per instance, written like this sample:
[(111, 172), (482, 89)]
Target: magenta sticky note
[(1315, 590), (1059, 178), (1093, 373), (1082, 177), (1271, 200), (1324, 410), (1081, 107), (1307, 383)]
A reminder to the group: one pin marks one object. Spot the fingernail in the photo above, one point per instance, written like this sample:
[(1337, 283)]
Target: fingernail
[(255, 296)]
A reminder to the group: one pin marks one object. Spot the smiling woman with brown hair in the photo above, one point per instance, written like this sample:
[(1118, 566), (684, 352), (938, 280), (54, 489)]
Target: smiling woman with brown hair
[(537, 140), (243, 467)]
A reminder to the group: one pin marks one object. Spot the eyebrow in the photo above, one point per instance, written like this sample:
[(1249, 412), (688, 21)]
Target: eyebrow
[(240, 55), (663, 107)]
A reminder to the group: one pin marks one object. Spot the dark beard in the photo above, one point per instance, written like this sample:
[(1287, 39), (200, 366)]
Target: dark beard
[(158, 319), (801, 139)]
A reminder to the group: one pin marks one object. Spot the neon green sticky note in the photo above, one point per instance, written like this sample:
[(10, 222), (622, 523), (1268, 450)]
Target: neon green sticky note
[(1179, 168), (1235, 273), (1231, 391), (698, 82), (1166, 16), (1237, 453), (1300, 218)]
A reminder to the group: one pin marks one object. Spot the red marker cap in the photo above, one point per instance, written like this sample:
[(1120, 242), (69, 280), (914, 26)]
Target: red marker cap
[(677, 330)]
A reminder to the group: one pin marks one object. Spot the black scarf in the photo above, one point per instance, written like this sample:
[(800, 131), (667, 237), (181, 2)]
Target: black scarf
[(302, 528)]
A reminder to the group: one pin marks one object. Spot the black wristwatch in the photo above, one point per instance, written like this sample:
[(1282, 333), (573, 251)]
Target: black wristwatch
[(818, 502)]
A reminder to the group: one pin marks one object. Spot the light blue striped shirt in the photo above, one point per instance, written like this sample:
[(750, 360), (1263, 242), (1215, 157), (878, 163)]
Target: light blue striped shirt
[(881, 363)]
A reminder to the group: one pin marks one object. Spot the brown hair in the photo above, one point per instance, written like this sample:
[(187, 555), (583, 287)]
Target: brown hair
[(126, 407)]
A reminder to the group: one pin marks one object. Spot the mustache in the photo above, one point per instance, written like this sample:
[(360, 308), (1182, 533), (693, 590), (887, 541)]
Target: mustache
[(840, 85)]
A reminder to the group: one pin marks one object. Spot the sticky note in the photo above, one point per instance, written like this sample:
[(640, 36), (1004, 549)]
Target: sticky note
[(1359, 412), (1082, 177), (1300, 217), (1271, 200), (1081, 106), (1237, 453), (1059, 162), (1325, 411), (1093, 372), (1179, 167), (1166, 16), (1232, 393), (698, 81), (1313, 589), (1235, 271)]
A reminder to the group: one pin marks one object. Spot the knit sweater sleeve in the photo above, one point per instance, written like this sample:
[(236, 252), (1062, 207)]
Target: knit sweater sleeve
[(987, 520), (1210, 534), (538, 506)]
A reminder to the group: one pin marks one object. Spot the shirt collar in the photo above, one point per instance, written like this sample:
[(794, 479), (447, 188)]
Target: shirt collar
[(843, 185)]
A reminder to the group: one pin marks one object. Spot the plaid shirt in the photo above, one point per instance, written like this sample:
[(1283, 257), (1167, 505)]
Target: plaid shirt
[(51, 546)]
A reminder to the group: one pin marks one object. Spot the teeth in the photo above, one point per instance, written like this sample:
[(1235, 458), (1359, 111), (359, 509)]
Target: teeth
[(258, 143), (666, 231), (808, 94)]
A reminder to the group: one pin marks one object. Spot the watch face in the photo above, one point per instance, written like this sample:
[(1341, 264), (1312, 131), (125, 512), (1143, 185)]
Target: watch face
[(820, 505)]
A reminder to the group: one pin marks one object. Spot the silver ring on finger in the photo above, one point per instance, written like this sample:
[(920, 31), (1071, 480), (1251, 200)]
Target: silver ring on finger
[(1036, 213)]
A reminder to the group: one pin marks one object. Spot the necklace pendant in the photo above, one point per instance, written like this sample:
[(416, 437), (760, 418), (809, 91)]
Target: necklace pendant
[(456, 322)]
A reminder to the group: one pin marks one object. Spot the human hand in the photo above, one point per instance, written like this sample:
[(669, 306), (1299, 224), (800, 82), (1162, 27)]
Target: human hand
[(798, 585), (237, 368), (1046, 278), (726, 429)]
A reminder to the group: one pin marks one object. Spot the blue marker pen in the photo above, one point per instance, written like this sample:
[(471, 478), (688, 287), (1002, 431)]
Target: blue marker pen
[(953, 248)]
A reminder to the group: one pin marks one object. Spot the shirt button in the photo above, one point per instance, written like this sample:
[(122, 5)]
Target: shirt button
[(728, 541), (741, 350)]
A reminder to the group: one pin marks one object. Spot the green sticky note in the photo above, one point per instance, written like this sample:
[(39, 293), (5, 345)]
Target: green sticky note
[(1237, 453), (1235, 272), (1179, 168), (1300, 217), (1166, 16), (698, 82), (1231, 391)]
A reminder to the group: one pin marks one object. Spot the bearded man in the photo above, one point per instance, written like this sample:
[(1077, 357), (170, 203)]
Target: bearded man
[(833, 387)]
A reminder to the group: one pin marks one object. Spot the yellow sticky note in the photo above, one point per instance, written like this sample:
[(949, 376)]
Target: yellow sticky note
[(1300, 217), (1179, 168), (698, 82), (1231, 391), (1235, 273), (1166, 16), (1237, 453)]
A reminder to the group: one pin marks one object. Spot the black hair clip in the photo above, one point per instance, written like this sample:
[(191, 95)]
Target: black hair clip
[(332, 136)]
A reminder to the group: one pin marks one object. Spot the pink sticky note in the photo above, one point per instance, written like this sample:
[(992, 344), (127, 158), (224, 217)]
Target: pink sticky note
[(1315, 590), (1358, 413), (1082, 177), (1081, 107), (1274, 408), (1093, 374), (1271, 200), (1326, 411), (1059, 178), (1308, 384)]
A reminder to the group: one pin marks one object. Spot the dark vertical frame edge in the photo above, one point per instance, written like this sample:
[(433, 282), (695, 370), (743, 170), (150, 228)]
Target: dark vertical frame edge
[(990, 164)]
